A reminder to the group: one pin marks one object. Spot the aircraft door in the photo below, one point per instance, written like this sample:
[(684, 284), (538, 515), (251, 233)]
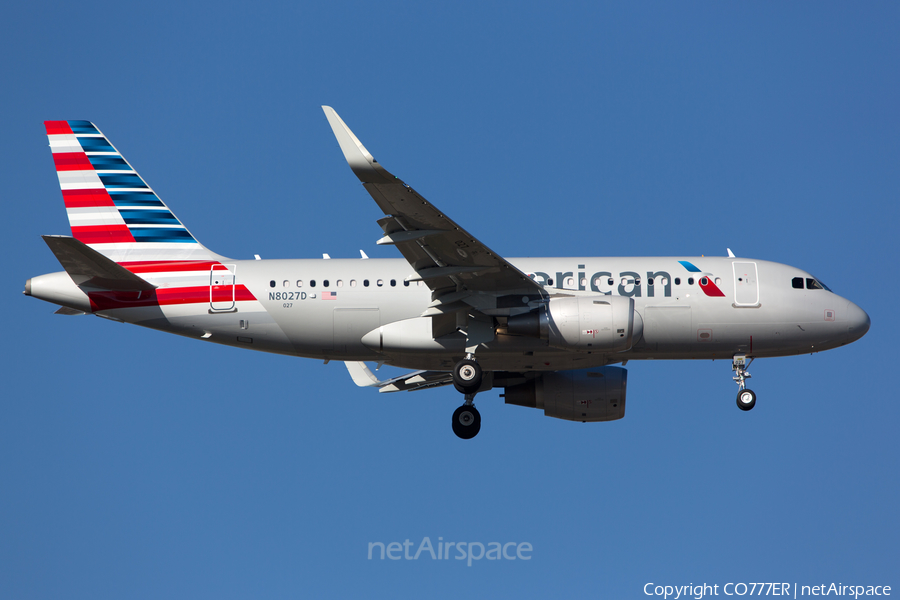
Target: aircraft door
[(746, 284), (221, 288)]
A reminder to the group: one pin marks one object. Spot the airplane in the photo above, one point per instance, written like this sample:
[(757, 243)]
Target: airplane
[(554, 333)]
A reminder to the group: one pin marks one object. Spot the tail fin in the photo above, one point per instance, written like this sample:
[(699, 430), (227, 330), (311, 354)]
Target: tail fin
[(110, 207)]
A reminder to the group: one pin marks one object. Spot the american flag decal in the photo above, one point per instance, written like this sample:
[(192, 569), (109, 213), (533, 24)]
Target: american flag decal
[(329, 295)]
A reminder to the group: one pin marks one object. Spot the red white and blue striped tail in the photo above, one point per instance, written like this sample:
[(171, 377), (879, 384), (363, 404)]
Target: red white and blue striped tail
[(110, 207)]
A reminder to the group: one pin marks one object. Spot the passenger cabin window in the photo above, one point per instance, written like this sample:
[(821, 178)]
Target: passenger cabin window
[(325, 283), (272, 283), (797, 283), (299, 283), (286, 283), (380, 282), (312, 283), (393, 283), (678, 281), (340, 283), (690, 281), (352, 283), (365, 283)]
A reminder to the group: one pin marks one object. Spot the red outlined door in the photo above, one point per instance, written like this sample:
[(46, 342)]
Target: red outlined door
[(221, 288)]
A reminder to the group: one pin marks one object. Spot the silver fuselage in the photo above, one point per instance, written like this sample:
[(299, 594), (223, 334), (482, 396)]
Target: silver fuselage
[(323, 309)]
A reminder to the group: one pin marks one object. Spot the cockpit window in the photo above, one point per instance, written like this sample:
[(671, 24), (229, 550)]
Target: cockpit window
[(797, 283), (814, 284)]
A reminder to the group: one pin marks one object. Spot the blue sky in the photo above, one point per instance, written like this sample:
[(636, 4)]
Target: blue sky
[(139, 465)]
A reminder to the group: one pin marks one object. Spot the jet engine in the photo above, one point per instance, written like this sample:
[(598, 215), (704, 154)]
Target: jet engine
[(596, 394), (585, 323)]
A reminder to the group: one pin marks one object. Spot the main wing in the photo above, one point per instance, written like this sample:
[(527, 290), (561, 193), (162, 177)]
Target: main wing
[(444, 255)]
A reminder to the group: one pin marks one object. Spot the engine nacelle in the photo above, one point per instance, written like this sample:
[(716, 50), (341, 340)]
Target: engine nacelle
[(596, 394), (585, 323)]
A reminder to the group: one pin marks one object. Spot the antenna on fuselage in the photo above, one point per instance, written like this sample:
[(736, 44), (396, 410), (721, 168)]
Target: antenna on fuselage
[(363, 254), (730, 253)]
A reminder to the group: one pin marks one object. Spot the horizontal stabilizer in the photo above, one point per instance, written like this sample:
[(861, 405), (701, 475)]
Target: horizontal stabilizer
[(361, 374), (89, 268), (408, 382)]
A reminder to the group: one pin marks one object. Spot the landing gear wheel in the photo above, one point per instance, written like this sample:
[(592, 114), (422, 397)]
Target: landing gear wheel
[(467, 376), (466, 422), (746, 399)]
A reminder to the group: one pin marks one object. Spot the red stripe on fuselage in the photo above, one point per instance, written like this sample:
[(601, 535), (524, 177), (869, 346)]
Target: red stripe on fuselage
[(57, 127), (72, 161), (103, 234), (86, 198), (168, 297), (168, 266)]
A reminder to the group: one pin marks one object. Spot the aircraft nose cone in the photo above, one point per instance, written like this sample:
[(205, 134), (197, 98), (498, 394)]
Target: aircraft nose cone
[(858, 321)]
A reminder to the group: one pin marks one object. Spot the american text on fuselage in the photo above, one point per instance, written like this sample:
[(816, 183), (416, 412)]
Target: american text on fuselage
[(665, 307)]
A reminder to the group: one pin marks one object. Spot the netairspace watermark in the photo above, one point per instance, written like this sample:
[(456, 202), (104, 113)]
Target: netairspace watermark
[(467, 551), (764, 589)]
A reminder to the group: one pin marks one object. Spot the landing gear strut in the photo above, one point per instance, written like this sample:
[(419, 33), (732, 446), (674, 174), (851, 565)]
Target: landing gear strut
[(746, 399), (467, 379)]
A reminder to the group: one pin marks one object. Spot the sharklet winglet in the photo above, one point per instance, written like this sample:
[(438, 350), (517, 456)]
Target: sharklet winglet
[(360, 160)]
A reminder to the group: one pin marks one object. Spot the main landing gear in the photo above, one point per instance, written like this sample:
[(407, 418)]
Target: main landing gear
[(467, 375), (746, 399), (466, 420), (467, 378)]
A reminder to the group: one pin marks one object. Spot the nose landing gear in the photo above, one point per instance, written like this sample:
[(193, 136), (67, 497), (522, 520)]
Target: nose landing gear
[(746, 399)]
